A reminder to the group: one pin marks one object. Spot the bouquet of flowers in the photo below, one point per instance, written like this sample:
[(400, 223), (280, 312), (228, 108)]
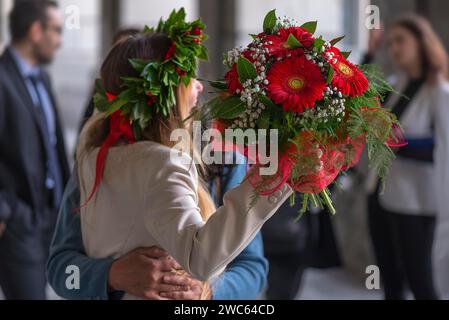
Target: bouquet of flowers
[(324, 108)]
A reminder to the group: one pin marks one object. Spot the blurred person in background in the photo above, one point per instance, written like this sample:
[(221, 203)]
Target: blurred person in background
[(403, 220), (33, 164)]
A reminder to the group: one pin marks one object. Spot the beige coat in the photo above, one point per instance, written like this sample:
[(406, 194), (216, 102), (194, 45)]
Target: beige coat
[(148, 198)]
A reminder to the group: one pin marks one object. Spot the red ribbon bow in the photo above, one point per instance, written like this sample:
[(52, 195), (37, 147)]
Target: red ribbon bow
[(119, 127)]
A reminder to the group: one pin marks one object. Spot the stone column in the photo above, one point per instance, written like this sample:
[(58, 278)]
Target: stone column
[(110, 23), (219, 17)]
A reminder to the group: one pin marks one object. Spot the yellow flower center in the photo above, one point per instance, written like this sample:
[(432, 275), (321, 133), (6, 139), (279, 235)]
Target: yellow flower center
[(295, 83), (345, 69)]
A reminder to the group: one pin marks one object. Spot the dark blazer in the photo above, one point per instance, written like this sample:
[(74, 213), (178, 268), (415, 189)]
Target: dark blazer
[(24, 198)]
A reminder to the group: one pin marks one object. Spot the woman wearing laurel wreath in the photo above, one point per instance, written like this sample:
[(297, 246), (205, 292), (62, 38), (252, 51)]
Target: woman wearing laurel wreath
[(136, 190)]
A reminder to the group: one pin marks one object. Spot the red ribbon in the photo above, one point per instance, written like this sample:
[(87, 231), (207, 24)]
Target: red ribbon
[(339, 155), (119, 127)]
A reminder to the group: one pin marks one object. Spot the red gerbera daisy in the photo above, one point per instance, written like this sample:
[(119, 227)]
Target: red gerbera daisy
[(232, 77), (347, 77), (295, 83), (278, 44)]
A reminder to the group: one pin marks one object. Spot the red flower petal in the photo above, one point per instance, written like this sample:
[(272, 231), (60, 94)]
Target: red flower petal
[(232, 77), (295, 83), (278, 45), (347, 77)]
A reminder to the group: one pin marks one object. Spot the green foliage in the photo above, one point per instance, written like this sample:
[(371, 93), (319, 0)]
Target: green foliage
[(101, 102), (264, 120), (380, 155), (230, 108), (220, 85), (310, 26), (336, 40), (378, 86), (270, 22), (346, 54), (267, 101), (318, 43), (293, 42), (379, 127), (154, 90), (246, 70), (330, 75)]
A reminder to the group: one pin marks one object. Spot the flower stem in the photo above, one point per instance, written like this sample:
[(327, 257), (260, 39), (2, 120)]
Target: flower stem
[(305, 203), (315, 200), (328, 201)]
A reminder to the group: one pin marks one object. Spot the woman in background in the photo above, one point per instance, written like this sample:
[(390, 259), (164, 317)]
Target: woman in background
[(403, 220)]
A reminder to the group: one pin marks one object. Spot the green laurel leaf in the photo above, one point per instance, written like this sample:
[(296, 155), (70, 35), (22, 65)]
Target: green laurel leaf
[(336, 40), (293, 42), (310, 26), (264, 120), (230, 108), (330, 75), (269, 23), (267, 101), (246, 70), (346, 54), (100, 102)]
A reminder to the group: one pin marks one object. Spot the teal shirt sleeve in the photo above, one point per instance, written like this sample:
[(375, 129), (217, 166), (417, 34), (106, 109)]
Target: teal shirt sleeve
[(67, 253), (246, 276)]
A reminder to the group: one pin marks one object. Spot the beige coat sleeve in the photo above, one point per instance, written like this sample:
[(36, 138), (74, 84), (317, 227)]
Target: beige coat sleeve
[(203, 249)]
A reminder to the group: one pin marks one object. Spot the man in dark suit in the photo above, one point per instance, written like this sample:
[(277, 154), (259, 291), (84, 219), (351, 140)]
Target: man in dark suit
[(33, 163)]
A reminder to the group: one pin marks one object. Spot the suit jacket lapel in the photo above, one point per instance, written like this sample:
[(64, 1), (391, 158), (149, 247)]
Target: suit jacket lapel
[(28, 102), (24, 93)]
